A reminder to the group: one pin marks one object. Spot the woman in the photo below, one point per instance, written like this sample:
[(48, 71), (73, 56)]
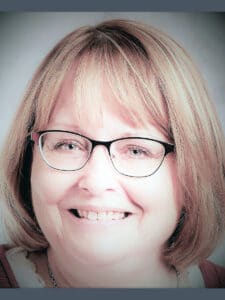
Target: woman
[(105, 182)]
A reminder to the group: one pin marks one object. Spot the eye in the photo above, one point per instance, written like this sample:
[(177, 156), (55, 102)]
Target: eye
[(68, 146), (137, 152)]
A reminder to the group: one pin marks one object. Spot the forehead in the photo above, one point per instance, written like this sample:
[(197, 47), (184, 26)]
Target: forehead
[(104, 121), (89, 88)]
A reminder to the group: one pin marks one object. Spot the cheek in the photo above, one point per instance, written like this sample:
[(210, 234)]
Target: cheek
[(48, 185), (158, 194), (48, 188)]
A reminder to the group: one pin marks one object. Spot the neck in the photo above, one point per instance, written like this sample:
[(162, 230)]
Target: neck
[(130, 273)]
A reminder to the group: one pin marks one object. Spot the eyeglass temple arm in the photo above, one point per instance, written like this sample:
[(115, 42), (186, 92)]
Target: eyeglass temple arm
[(169, 148)]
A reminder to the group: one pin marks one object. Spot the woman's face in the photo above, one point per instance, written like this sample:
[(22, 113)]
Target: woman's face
[(152, 202)]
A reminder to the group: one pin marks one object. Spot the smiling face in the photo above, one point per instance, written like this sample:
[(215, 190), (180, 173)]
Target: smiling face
[(95, 214)]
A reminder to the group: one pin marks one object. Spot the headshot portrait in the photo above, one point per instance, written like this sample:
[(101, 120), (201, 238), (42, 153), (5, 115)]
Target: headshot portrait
[(112, 166)]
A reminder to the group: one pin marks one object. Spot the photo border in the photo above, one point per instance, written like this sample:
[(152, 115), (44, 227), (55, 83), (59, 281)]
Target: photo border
[(94, 6), (116, 5)]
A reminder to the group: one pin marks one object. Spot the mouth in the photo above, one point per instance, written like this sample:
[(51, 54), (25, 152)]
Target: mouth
[(99, 216)]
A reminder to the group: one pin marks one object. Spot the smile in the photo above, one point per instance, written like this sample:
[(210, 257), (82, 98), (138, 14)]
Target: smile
[(99, 216)]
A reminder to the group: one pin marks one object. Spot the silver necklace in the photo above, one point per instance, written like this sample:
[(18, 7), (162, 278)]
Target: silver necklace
[(51, 276), (178, 277), (55, 285)]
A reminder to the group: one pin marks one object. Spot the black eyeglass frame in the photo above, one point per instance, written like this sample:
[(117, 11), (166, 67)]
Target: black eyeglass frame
[(168, 148)]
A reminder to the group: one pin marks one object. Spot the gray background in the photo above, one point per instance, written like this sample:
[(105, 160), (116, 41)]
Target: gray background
[(25, 38)]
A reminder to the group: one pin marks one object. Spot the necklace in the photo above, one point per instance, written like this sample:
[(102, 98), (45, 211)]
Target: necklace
[(55, 285), (51, 276), (178, 277)]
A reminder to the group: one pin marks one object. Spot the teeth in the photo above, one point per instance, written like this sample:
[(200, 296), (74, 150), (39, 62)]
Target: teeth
[(102, 216), (92, 215)]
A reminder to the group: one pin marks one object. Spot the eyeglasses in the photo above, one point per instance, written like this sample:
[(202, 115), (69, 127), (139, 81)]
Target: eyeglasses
[(130, 156)]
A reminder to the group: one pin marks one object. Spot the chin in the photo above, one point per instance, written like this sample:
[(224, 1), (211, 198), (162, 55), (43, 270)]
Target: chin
[(98, 253)]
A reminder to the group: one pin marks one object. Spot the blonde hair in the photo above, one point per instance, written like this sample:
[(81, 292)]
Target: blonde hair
[(139, 63)]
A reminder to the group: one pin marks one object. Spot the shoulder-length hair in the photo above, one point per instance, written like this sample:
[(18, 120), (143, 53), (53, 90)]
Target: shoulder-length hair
[(139, 63)]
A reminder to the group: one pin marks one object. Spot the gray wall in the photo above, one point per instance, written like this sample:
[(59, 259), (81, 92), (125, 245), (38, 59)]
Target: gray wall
[(25, 38)]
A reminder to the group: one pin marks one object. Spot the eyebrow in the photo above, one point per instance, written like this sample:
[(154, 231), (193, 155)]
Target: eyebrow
[(67, 127), (77, 129)]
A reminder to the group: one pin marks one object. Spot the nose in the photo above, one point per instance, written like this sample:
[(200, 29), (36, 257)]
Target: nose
[(98, 175)]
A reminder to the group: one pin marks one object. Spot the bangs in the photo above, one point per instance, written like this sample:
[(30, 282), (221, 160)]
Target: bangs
[(120, 80)]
